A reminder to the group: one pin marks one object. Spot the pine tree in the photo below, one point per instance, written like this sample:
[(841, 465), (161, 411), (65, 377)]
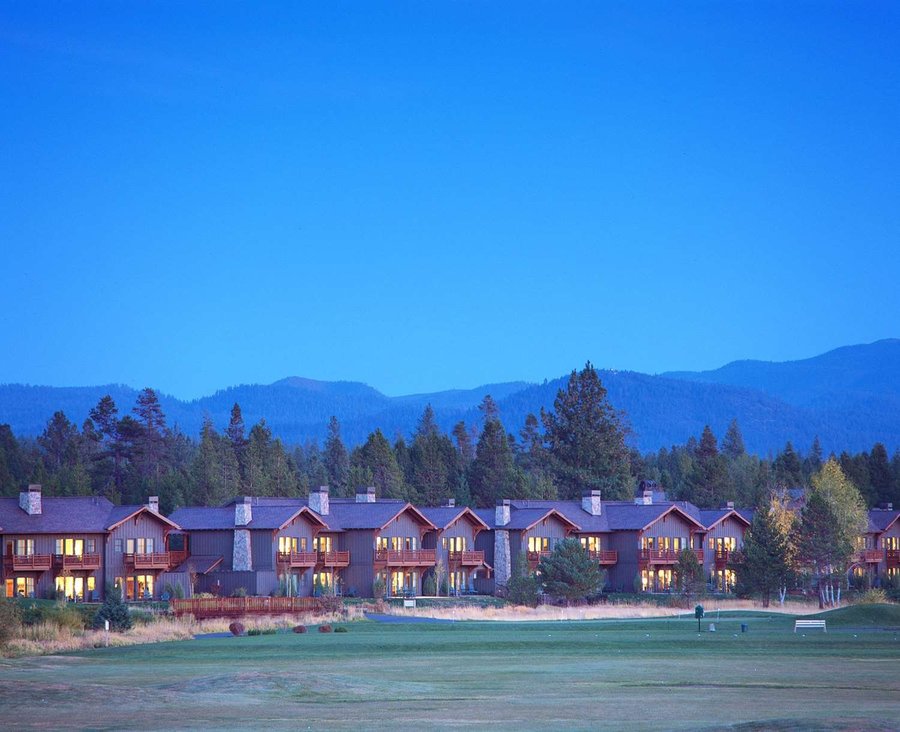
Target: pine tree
[(586, 439), (337, 461), (765, 561), (464, 445), (108, 474), (235, 435), (59, 441), (434, 471), (493, 473), (708, 480), (377, 457), (788, 470), (733, 444), (569, 572), (880, 475), (150, 440)]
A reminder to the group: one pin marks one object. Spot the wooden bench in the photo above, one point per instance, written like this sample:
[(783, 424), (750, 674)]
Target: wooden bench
[(810, 625)]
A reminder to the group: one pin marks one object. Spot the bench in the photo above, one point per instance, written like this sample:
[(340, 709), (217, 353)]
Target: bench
[(809, 624)]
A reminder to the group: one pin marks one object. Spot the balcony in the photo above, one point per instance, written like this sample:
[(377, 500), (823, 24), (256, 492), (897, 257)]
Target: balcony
[(893, 557), (404, 558), (78, 561), (177, 558), (28, 562), (664, 556), (869, 556), (333, 559), (468, 558), (726, 557), (296, 560), (536, 556), (604, 556), (155, 560)]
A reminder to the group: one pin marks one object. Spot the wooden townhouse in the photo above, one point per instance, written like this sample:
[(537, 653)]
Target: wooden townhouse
[(877, 555), (725, 529), (76, 547), (454, 543)]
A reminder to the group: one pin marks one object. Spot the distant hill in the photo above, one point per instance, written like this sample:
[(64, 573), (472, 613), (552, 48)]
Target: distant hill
[(849, 397)]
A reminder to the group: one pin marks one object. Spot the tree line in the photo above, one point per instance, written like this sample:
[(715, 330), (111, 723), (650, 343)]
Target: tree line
[(579, 444)]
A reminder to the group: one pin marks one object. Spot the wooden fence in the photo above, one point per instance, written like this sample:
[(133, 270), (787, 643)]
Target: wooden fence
[(235, 607)]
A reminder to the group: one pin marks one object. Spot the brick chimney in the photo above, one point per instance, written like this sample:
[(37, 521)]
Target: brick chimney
[(318, 500), (243, 511), (30, 500), (501, 516), (590, 502), (365, 495), (153, 503)]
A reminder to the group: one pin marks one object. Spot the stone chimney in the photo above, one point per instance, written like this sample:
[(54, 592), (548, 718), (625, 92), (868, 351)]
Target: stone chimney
[(590, 502), (501, 517), (318, 500), (243, 511), (729, 505), (451, 503), (30, 500), (644, 498), (365, 495), (153, 503)]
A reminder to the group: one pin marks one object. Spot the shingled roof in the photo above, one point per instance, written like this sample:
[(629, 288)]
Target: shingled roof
[(84, 514), (879, 519), (443, 516), (221, 518)]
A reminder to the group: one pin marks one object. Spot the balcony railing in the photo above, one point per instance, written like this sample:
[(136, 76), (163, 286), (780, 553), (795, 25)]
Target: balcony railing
[(725, 557), (466, 558), (535, 557), (892, 556), (405, 558), (78, 561), (153, 560), (869, 556), (604, 556), (665, 556), (28, 562), (177, 558), (297, 559), (333, 559)]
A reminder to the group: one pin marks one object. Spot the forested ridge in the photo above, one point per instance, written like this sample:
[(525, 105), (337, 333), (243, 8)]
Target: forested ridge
[(127, 451)]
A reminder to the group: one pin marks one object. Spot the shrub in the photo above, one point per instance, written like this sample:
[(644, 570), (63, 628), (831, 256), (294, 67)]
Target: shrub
[(236, 628), (429, 586), (378, 589), (522, 588), (873, 597), (331, 604), (10, 621), (115, 611), (340, 629), (299, 628), (239, 592), (254, 631), (269, 631), (325, 629)]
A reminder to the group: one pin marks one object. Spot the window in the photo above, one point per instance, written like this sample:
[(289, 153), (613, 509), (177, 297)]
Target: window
[(287, 544), (381, 543), (323, 581), (90, 546), (591, 543), (24, 587), (410, 543), (24, 547), (117, 545), (139, 587), (538, 544), (150, 546), (322, 544)]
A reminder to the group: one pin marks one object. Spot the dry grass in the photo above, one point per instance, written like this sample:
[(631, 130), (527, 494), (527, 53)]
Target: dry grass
[(513, 613)]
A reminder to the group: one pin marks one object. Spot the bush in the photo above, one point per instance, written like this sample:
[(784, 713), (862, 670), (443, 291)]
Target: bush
[(378, 589), (429, 586), (873, 597), (254, 631), (340, 629), (325, 629), (331, 604), (269, 631), (239, 592), (522, 588), (10, 621), (115, 611), (236, 628), (299, 628)]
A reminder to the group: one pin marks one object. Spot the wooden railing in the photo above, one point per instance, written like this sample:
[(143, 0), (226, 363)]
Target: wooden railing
[(153, 560), (177, 558), (467, 557), (78, 561), (892, 556), (535, 557), (28, 562), (405, 558), (235, 607), (604, 556), (333, 559), (724, 557), (869, 556), (665, 556), (296, 559)]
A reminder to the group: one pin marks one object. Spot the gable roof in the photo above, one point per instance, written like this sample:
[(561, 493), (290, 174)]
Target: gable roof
[(59, 515), (634, 517), (879, 519), (120, 514), (710, 518), (221, 518), (444, 516)]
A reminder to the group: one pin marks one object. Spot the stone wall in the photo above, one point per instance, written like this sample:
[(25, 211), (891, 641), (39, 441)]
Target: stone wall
[(242, 559), (502, 558)]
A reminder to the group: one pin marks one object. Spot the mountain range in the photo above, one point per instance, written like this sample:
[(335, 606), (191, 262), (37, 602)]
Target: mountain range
[(848, 397)]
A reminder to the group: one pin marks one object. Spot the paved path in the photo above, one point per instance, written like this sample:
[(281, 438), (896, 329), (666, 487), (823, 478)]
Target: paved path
[(380, 618)]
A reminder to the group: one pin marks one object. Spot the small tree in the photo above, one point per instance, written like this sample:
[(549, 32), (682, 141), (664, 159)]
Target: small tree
[(440, 578), (10, 620), (764, 566), (688, 574), (523, 586), (378, 588), (115, 611), (570, 572), (429, 586)]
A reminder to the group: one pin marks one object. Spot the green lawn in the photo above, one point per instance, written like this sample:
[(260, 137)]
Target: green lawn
[(642, 674)]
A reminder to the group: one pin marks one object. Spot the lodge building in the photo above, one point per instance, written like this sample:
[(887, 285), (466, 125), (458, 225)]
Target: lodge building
[(79, 547)]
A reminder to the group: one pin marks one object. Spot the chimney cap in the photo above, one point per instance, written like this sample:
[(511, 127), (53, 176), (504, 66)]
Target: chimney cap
[(592, 493), (34, 488), (503, 502), (321, 489), (247, 499)]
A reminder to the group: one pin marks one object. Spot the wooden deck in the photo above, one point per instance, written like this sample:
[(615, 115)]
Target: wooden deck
[(468, 558), (405, 558), (303, 560), (333, 559), (78, 561), (664, 556), (236, 607), (28, 562), (155, 560)]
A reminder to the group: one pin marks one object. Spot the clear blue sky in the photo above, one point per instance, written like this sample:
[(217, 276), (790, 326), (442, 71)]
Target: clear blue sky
[(433, 195)]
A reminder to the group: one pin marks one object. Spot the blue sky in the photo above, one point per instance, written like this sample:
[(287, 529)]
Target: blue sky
[(433, 195)]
